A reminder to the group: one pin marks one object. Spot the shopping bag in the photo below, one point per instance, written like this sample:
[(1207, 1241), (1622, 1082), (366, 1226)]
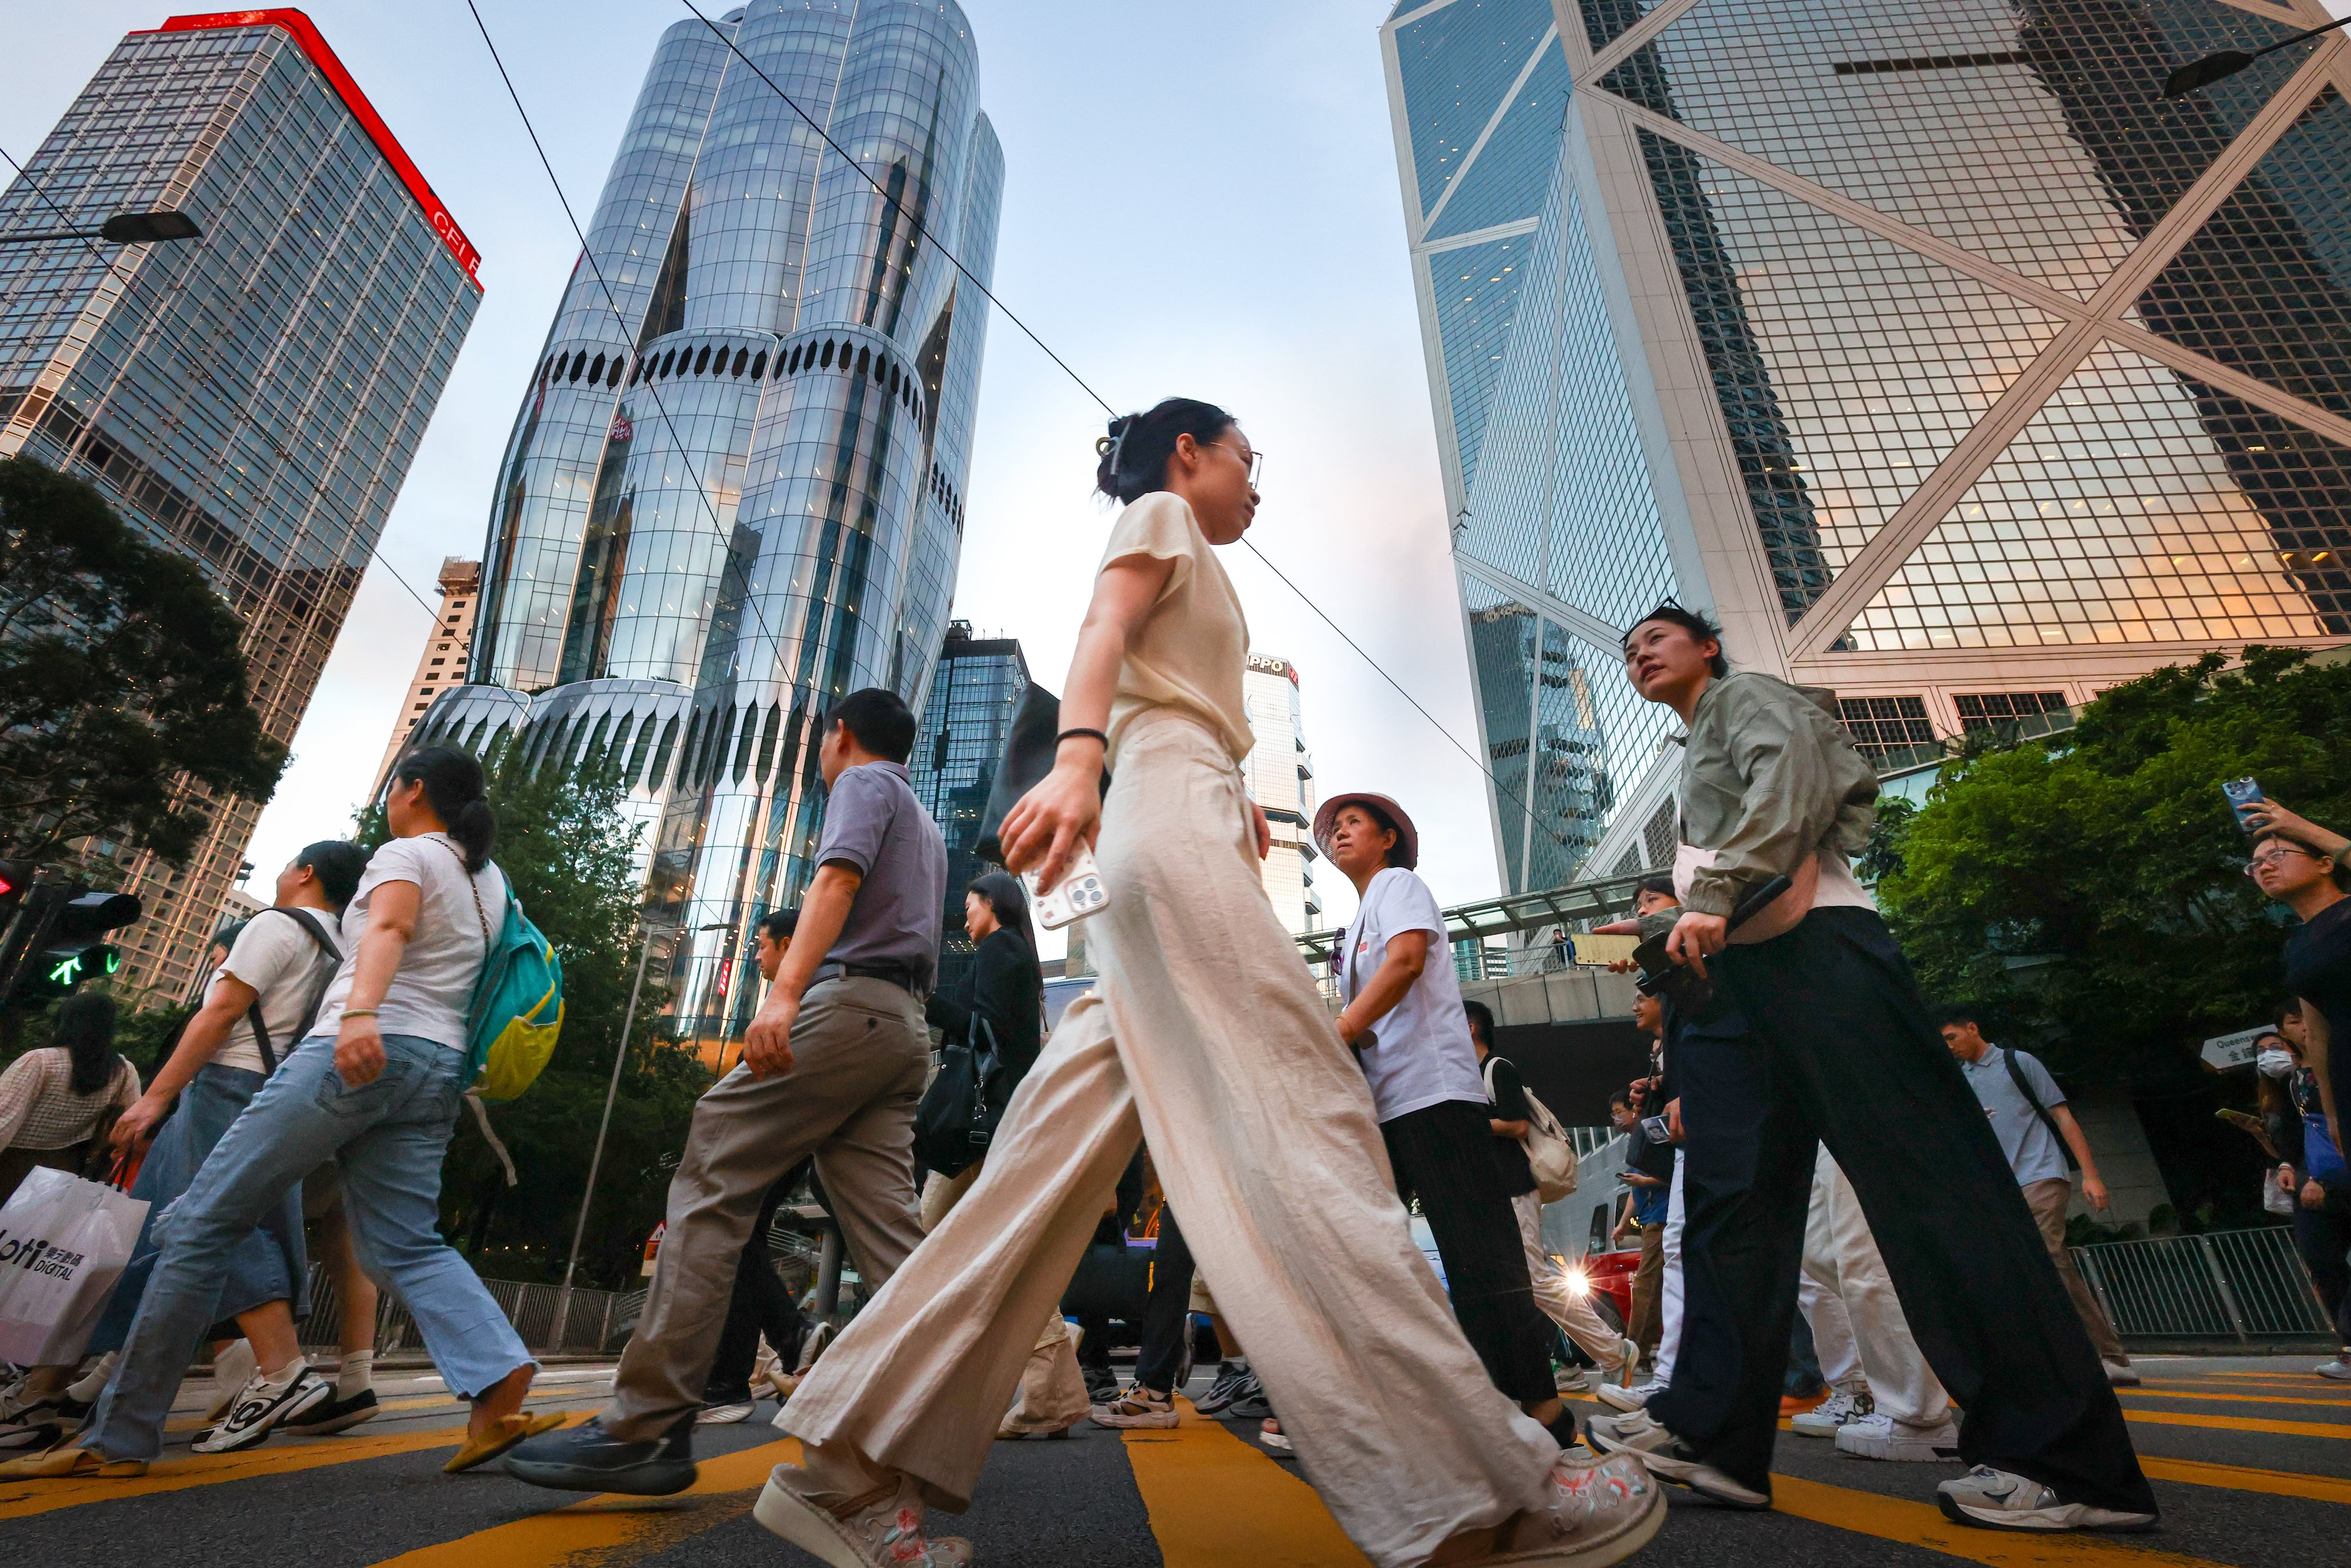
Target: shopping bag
[(63, 1243)]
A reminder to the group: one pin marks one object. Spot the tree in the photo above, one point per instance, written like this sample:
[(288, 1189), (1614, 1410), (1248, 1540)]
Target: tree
[(568, 846), (120, 673), (2089, 891)]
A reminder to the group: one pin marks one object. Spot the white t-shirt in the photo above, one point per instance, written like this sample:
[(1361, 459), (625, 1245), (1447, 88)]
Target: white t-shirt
[(434, 991), (277, 958), (1424, 1056)]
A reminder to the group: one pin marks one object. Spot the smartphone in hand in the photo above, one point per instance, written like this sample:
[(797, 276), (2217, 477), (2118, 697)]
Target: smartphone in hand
[(1079, 894), (2241, 793)]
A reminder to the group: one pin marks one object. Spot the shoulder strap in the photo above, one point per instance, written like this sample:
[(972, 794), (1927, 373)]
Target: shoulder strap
[(1489, 1074), (2024, 1087), (330, 964)]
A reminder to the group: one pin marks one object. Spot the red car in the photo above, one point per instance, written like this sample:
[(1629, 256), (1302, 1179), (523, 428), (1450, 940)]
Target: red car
[(1609, 1276)]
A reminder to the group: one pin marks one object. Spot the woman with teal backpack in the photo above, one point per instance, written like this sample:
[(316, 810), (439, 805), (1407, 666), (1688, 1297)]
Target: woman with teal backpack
[(445, 979)]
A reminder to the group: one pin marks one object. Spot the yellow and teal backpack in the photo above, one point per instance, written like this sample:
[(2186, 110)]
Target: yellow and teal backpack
[(518, 1009)]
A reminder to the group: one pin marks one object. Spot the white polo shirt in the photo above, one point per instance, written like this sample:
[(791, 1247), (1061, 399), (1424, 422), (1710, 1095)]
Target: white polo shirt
[(1424, 1056)]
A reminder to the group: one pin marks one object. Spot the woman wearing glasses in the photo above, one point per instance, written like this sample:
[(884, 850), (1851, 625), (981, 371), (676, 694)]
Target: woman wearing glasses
[(2300, 866), (1205, 1037)]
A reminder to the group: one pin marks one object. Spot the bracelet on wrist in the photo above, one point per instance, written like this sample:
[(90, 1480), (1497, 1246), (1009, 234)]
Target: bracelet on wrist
[(360, 1012), (1089, 734)]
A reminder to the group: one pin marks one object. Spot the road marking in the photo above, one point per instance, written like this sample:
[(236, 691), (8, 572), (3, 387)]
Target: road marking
[(1215, 1500), (1923, 1524), (19, 1499), (2234, 1398), (2241, 1477), (611, 1529), (2239, 1424)]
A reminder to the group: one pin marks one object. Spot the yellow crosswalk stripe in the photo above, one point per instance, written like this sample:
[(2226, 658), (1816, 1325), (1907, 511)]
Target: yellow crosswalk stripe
[(2137, 1418), (1923, 1524), (2243, 1477), (611, 1531), (1215, 1500), (2234, 1398)]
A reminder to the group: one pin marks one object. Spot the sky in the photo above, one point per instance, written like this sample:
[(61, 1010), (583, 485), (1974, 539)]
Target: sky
[(1198, 200)]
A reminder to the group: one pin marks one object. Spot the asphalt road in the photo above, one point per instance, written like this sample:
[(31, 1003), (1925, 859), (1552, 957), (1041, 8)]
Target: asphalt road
[(2251, 1458)]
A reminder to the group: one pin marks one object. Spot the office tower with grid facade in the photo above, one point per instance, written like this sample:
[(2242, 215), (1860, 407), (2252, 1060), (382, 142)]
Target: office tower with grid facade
[(1926, 346), (976, 689), (252, 398), (734, 489), (1279, 773), (440, 663)]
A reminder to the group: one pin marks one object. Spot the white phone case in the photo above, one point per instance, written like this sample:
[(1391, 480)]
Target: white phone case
[(1079, 894)]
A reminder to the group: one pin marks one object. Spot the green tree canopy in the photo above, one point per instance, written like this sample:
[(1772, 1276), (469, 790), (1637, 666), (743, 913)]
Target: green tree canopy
[(2090, 891), (567, 845), (121, 672)]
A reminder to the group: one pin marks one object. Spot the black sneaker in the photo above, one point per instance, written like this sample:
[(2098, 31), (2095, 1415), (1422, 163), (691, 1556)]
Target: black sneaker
[(1101, 1385), (262, 1405), (1248, 1402), (1220, 1394), (589, 1459), (335, 1415)]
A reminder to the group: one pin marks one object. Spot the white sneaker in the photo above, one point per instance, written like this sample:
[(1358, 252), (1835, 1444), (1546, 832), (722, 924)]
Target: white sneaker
[(2122, 1374), (1882, 1437), (2338, 1369), (881, 1529), (1995, 1500), (722, 1415), (1577, 1380), (1631, 1364), (1619, 1397), (1823, 1419), (1644, 1437), (263, 1405)]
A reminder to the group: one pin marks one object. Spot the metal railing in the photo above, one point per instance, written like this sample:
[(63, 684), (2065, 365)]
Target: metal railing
[(600, 1319), (1601, 898), (2238, 1285)]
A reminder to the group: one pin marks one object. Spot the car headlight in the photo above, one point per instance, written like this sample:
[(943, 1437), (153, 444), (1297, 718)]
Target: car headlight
[(1578, 1283)]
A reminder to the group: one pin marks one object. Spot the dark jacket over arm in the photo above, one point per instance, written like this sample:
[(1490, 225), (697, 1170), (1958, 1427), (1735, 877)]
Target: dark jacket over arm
[(1006, 989)]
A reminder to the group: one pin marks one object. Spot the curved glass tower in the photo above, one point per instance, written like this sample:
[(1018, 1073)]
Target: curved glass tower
[(733, 490)]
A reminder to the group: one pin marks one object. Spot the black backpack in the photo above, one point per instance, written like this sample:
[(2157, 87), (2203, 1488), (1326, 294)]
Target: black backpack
[(325, 972)]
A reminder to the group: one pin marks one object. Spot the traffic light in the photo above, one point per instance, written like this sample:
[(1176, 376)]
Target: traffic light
[(62, 941)]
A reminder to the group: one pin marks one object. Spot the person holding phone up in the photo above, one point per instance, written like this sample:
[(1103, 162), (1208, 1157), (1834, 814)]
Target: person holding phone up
[(2300, 866)]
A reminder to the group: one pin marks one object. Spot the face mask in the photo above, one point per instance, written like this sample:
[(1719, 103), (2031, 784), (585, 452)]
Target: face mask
[(2275, 1063)]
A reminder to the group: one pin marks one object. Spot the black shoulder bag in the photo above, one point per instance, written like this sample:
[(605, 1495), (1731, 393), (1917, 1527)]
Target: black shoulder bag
[(957, 1117), (332, 963), (2024, 1087)]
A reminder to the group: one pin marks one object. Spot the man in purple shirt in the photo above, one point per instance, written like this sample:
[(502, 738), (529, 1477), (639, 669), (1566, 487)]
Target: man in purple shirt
[(833, 1066)]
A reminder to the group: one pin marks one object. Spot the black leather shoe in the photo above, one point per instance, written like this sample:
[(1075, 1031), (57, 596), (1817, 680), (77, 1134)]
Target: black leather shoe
[(589, 1459)]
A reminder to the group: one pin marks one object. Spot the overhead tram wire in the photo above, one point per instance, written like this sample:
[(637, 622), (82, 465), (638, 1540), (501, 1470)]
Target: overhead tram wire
[(726, 37), (35, 186)]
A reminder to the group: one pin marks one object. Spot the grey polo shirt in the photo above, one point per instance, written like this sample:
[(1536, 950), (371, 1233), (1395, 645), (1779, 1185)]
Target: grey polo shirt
[(2033, 1153), (874, 824)]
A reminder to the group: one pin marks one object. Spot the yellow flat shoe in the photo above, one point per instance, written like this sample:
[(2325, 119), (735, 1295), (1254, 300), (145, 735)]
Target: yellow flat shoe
[(67, 1464), (510, 1430)]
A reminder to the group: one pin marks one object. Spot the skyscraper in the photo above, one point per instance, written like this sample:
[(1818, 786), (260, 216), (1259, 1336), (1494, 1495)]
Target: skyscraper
[(1925, 346), (252, 398), (1281, 777), (734, 491), (976, 689), (441, 662)]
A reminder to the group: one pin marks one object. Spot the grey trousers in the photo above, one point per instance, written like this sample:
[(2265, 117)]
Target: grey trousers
[(860, 1055)]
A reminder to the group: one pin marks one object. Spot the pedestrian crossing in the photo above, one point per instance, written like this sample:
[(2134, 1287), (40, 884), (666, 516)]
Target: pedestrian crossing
[(1211, 1498)]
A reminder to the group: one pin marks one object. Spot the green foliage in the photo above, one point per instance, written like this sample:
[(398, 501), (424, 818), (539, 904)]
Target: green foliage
[(569, 849), (2089, 892), (120, 670)]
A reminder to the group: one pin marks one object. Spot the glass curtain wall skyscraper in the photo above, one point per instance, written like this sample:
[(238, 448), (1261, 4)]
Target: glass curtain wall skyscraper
[(251, 399), (1925, 346), (734, 491), (975, 692)]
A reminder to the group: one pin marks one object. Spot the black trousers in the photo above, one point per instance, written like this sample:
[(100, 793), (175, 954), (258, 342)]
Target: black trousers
[(2323, 1237), (1167, 1314), (1444, 1156), (759, 1305), (1820, 1035)]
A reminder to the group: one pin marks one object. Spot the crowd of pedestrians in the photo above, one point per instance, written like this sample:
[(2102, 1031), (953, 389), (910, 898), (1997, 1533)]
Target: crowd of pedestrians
[(322, 1074)]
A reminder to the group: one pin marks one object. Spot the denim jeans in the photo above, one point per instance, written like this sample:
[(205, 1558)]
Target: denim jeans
[(267, 1264), (388, 1138)]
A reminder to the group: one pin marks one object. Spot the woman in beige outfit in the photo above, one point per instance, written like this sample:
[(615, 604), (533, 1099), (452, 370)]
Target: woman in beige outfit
[(1206, 1037)]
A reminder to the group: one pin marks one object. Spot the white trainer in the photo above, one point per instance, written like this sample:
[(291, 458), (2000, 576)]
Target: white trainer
[(1617, 1396), (1995, 1500), (1881, 1436), (1823, 1419)]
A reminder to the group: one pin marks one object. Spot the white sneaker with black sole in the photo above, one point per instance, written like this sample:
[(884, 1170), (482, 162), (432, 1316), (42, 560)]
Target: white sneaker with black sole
[(262, 1405), (1995, 1500), (331, 1416), (1881, 1436), (1669, 1459)]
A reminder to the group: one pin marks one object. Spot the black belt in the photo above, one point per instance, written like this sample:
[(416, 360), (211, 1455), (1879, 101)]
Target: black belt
[(901, 975)]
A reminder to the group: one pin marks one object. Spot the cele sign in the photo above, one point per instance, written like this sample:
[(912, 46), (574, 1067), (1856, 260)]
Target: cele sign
[(2228, 1053)]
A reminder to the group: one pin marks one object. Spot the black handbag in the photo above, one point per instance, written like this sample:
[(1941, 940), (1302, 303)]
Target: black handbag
[(956, 1120), (1029, 749)]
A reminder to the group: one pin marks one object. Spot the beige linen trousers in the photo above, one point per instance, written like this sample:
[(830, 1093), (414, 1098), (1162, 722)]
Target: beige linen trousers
[(1205, 1035)]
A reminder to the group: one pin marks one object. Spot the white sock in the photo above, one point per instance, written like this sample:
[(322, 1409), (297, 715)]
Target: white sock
[(357, 1375), (284, 1376), (88, 1388)]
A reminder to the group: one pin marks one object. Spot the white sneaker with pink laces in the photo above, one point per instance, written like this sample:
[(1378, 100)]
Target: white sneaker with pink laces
[(878, 1528)]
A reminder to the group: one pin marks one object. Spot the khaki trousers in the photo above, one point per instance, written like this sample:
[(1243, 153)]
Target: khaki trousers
[(860, 1055), (1053, 1390), (1841, 1262), (1206, 1036), (2048, 1199), (1649, 1324), (1574, 1314)]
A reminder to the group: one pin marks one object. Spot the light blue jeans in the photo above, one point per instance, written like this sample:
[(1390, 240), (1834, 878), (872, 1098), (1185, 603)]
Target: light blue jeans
[(388, 1138)]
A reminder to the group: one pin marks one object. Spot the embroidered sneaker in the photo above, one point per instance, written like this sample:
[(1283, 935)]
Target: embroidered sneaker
[(1599, 1512), (1823, 1419), (1995, 1500), (878, 1529), (262, 1405), (1138, 1407), (1648, 1440), (1881, 1436)]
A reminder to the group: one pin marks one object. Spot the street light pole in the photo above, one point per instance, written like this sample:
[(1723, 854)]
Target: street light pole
[(596, 1161), (2229, 62), (123, 228)]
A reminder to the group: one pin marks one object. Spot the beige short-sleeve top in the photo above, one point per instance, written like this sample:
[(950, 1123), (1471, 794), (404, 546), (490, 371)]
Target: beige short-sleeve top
[(1189, 652)]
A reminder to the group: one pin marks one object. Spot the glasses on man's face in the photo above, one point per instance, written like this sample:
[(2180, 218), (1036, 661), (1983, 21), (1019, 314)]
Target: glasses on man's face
[(2271, 857), (1255, 460)]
